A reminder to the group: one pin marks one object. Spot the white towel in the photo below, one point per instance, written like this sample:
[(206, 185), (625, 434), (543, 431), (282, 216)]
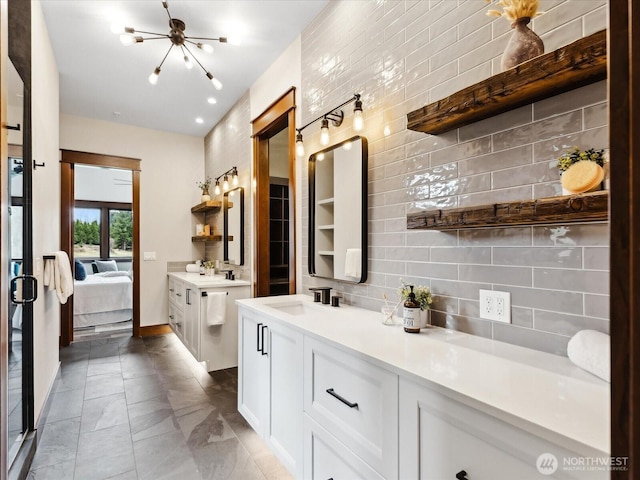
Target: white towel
[(216, 302), (589, 350), (353, 262), (58, 276)]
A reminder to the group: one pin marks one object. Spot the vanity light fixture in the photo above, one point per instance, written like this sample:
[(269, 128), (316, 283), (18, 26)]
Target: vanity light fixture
[(233, 171), (177, 38), (336, 115)]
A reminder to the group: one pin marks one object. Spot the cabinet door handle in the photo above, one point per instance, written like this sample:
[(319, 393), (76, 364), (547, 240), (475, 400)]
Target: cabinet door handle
[(258, 349), (342, 399), (264, 327), (461, 475), (188, 296)]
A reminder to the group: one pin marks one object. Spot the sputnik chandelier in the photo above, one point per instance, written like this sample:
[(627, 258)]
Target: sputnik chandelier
[(178, 39)]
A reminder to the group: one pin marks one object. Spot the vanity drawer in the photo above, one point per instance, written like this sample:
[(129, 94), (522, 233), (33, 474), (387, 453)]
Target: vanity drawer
[(176, 293), (355, 401), (176, 320), (326, 457)]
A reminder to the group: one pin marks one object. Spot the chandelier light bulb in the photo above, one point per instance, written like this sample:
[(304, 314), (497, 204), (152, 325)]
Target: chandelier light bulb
[(358, 119), (188, 63), (216, 83), (324, 132), (217, 189), (299, 146), (234, 40), (153, 78), (127, 39), (205, 47), (234, 179), (117, 28), (225, 183)]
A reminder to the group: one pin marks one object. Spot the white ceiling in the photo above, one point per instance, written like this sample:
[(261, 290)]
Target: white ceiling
[(99, 76)]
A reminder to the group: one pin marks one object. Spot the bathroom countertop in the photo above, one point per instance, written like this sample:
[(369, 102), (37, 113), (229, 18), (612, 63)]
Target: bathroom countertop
[(207, 281), (542, 393)]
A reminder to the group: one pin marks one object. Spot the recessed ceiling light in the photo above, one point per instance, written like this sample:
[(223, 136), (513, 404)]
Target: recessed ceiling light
[(212, 100), (199, 120)]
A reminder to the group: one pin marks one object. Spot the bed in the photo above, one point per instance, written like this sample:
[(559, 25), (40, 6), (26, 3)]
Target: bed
[(102, 298)]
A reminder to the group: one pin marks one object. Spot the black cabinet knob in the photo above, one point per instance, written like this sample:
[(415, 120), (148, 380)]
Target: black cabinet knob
[(461, 475)]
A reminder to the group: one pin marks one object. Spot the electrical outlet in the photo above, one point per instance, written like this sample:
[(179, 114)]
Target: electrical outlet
[(149, 256), (495, 306)]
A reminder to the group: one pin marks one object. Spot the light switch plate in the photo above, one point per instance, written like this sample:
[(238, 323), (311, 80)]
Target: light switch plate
[(149, 256), (495, 306)]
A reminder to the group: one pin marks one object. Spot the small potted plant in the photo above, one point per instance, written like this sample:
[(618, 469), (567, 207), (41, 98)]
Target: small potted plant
[(204, 186), (209, 267), (423, 297), (581, 170)]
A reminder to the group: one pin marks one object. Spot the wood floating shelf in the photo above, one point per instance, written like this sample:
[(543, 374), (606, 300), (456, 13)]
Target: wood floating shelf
[(575, 65), (584, 207), (207, 206), (210, 238)]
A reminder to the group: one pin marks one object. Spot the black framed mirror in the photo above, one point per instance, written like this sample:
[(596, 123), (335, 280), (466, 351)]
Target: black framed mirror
[(338, 208), (233, 206)]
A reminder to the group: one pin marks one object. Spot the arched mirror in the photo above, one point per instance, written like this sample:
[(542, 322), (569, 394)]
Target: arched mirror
[(233, 205), (338, 211)]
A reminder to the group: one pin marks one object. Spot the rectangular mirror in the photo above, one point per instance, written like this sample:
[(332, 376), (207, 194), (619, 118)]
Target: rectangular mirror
[(338, 211), (233, 205)]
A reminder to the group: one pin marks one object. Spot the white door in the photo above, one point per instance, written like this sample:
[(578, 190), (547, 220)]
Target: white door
[(284, 423), (253, 371)]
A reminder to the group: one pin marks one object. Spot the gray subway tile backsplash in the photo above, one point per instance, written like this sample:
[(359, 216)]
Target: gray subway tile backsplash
[(402, 55)]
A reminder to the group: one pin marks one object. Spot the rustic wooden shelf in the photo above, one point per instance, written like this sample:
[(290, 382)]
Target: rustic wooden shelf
[(207, 206), (584, 207), (210, 238), (580, 63)]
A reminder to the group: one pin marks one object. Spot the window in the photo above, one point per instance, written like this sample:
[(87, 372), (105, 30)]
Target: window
[(102, 230)]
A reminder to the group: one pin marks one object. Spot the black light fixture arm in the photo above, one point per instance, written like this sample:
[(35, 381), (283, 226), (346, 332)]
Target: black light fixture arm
[(232, 171), (335, 114), (165, 56), (194, 57)]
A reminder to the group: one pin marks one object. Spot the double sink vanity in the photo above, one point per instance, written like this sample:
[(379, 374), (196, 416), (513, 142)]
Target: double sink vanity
[(336, 394)]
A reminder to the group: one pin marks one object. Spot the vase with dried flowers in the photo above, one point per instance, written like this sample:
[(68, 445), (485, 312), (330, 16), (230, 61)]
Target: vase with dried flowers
[(204, 186), (524, 44)]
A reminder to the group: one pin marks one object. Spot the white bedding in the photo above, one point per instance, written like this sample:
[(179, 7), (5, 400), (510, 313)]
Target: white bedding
[(102, 298)]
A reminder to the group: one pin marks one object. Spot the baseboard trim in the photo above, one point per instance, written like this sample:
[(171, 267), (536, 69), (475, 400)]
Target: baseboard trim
[(150, 330)]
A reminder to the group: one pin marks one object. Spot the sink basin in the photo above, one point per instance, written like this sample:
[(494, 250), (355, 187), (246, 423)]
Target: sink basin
[(297, 308)]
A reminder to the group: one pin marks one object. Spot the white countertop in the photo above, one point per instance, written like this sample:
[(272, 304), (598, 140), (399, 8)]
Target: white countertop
[(207, 281), (543, 393)]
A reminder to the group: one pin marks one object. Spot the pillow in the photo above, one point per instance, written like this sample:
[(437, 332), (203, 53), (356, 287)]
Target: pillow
[(80, 273), (94, 267), (106, 266)]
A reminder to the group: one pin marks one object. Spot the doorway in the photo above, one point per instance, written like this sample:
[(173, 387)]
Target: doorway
[(100, 230), (275, 181)]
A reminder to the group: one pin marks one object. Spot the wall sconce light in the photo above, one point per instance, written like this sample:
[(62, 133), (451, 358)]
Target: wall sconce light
[(233, 171), (336, 115)]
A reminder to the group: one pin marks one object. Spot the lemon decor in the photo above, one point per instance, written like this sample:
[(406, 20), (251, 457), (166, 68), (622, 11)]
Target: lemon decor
[(581, 170), (524, 44)]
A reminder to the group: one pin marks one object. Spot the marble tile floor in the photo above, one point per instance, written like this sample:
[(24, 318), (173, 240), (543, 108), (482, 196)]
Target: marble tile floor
[(131, 408)]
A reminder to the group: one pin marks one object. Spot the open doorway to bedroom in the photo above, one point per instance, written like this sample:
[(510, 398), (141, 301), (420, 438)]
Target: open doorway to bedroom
[(100, 198), (103, 252)]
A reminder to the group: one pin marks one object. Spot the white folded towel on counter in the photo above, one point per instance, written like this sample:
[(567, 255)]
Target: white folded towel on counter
[(193, 268), (216, 303), (590, 350), (353, 263)]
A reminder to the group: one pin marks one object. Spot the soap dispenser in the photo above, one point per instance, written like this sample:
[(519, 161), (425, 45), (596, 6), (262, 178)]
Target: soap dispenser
[(411, 313)]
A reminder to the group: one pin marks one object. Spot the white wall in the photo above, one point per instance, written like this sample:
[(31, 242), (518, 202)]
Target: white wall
[(46, 204), (284, 73), (171, 165), (102, 184)]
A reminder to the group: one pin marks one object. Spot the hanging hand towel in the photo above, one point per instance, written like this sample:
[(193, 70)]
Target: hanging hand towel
[(58, 276), (352, 264), (216, 302)]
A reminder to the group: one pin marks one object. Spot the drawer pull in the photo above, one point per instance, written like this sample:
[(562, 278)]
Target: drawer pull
[(264, 327), (178, 294), (258, 349), (179, 324), (461, 475), (172, 290), (342, 399), (171, 317)]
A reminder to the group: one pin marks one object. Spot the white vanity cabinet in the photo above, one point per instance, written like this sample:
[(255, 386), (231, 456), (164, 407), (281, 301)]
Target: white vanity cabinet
[(443, 439), (356, 402), (216, 345), (270, 385)]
